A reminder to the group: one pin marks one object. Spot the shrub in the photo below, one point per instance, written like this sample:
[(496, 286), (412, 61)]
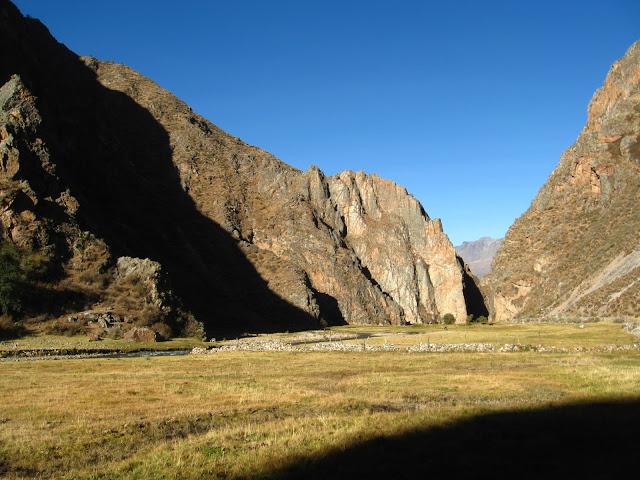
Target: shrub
[(448, 319), (163, 330), (35, 266), (12, 279), (150, 315), (9, 328), (92, 277), (187, 325), (68, 329), (480, 319), (115, 333)]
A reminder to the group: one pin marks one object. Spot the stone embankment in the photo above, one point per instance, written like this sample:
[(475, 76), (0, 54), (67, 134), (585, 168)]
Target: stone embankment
[(277, 345)]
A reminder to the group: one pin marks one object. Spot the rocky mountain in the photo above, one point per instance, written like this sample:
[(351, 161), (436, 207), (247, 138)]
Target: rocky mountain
[(104, 172), (576, 251), (478, 254)]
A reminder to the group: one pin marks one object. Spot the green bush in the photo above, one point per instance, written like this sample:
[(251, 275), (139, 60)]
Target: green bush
[(9, 328), (185, 324), (163, 330), (480, 319), (12, 279), (448, 319)]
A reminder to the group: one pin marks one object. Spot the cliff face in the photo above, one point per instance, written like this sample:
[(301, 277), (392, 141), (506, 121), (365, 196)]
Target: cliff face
[(576, 251), (247, 242), (364, 244)]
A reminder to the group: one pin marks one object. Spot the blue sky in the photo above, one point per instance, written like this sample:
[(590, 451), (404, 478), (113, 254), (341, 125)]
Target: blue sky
[(468, 104)]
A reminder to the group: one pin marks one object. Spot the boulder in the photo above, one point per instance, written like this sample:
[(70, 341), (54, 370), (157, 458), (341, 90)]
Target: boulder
[(141, 334)]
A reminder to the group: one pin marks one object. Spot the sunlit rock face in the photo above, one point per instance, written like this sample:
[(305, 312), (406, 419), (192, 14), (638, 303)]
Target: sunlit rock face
[(403, 249), (576, 251), (361, 243)]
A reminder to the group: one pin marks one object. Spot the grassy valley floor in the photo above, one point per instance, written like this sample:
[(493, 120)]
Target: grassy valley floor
[(331, 414)]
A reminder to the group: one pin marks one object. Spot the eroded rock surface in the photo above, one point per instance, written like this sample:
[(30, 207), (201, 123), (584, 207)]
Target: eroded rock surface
[(575, 252)]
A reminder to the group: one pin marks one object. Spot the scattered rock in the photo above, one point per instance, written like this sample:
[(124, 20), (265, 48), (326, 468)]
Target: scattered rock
[(103, 319), (276, 345), (141, 334), (633, 328)]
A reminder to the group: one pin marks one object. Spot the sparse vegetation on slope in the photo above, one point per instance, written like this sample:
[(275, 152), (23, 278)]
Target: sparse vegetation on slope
[(576, 251)]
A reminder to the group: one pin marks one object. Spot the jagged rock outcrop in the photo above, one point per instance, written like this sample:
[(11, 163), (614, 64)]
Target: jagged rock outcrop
[(576, 251), (359, 242), (405, 251), (38, 215), (479, 254), (134, 180), (149, 277)]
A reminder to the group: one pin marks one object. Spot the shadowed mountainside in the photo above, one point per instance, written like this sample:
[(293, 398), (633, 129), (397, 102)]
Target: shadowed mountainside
[(105, 169), (574, 441), (102, 179)]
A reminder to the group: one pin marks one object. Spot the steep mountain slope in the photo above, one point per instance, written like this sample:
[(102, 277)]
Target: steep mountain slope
[(478, 254), (576, 251), (102, 168)]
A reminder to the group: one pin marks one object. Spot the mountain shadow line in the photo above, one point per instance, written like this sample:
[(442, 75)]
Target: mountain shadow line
[(116, 159)]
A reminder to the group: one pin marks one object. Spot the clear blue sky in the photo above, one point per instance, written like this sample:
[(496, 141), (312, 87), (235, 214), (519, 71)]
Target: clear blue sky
[(468, 104)]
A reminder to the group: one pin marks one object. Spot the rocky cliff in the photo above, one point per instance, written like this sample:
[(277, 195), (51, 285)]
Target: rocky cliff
[(100, 164), (479, 254), (576, 251)]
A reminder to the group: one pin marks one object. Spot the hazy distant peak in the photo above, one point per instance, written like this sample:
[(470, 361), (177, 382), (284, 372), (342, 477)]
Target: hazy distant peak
[(478, 254)]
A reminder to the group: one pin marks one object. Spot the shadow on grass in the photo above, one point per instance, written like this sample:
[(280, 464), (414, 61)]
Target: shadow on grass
[(600, 440)]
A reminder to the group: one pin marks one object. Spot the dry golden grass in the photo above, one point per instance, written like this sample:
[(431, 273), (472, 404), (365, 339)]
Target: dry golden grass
[(82, 343), (548, 334), (249, 414)]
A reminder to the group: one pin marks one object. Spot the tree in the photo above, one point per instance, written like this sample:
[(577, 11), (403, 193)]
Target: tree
[(12, 279), (448, 319)]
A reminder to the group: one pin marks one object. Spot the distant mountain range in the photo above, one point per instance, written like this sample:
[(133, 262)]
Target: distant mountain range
[(478, 254)]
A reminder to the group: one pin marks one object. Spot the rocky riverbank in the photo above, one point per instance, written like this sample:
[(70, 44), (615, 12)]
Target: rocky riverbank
[(273, 345)]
